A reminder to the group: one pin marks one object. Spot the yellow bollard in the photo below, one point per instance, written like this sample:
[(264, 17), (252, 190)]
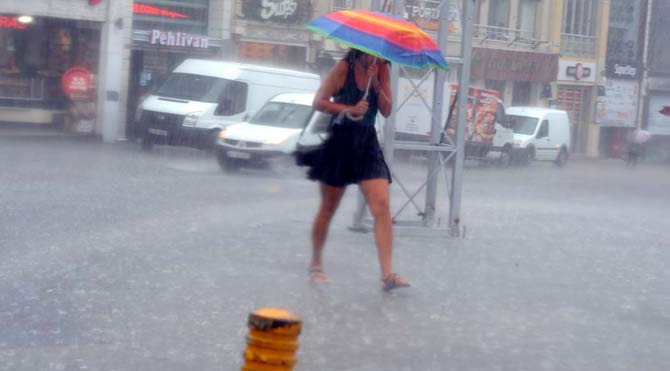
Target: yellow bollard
[(272, 340)]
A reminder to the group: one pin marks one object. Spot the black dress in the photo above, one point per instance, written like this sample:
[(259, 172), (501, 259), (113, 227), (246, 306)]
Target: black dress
[(352, 152)]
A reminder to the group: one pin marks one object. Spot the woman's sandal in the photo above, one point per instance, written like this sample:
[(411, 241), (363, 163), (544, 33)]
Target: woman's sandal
[(393, 281), (317, 276)]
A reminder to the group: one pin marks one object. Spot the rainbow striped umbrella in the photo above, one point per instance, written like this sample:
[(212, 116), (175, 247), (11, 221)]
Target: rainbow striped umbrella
[(382, 35)]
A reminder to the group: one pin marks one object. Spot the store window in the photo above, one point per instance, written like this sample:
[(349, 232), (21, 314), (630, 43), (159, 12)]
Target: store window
[(50, 65)]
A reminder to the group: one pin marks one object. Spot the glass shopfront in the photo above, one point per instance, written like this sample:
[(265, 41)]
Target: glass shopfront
[(47, 70)]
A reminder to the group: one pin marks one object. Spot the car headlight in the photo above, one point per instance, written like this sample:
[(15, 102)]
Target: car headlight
[(191, 119), (222, 133)]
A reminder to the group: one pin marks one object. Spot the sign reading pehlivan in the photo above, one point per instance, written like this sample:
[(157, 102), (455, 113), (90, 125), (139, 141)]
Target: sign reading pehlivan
[(180, 39)]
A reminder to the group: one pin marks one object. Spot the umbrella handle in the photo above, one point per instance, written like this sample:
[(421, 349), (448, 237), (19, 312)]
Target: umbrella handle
[(367, 87), (365, 96)]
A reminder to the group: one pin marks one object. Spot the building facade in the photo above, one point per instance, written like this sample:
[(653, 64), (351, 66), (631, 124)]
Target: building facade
[(273, 32), (513, 52)]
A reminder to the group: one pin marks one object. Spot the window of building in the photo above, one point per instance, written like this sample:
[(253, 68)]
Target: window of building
[(527, 19), (499, 13), (579, 17), (35, 57)]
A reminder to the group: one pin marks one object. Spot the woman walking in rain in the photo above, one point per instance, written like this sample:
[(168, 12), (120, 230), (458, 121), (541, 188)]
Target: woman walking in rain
[(352, 155)]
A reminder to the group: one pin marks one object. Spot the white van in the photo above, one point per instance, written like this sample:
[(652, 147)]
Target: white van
[(201, 97), (540, 133)]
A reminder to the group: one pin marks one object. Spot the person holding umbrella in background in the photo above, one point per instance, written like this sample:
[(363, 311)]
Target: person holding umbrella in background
[(636, 141), (354, 91)]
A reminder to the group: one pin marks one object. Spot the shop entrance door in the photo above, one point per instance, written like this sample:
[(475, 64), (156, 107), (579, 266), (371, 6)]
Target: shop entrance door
[(574, 100)]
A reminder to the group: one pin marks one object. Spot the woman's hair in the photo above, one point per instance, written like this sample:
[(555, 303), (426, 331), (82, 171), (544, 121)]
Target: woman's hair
[(353, 54)]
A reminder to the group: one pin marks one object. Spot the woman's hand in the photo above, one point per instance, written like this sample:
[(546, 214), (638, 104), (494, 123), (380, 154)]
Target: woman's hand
[(373, 72), (359, 109)]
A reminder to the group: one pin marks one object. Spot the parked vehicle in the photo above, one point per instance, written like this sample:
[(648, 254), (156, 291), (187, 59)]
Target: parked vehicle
[(202, 97), (540, 134), (273, 131), (488, 135)]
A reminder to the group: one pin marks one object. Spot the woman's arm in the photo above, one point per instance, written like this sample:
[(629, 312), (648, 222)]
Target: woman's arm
[(330, 86), (382, 87)]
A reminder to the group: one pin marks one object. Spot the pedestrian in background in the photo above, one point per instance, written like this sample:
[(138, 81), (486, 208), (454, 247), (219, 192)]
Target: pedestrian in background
[(352, 155), (636, 141)]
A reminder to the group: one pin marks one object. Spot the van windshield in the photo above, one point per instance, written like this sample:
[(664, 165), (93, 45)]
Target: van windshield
[(283, 115), (193, 87), (523, 124)]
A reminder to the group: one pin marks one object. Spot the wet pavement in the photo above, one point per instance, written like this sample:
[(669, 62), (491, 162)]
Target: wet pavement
[(116, 259)]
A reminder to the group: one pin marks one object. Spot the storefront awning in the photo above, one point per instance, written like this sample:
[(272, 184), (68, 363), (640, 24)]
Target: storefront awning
[(510, 65)]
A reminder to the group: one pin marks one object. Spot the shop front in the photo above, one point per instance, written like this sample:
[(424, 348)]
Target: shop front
[(522, 78), (164, 35), (272, 32), (617, 108), (576, 83), (657, 119), (48, 70)]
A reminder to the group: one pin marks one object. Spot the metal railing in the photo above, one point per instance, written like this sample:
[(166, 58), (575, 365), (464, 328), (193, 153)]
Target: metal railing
[(503, 35), (578, 45)]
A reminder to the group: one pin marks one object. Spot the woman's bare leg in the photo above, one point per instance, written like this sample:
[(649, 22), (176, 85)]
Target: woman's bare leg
[(376, 192), (330, 200)]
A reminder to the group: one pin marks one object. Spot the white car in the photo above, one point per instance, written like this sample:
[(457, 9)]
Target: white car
[(273, 131)]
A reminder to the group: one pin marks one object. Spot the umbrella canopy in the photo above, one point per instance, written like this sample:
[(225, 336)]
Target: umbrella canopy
[(381, 35), (640, 136)]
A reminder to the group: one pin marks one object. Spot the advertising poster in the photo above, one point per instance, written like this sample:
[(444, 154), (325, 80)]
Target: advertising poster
[(480, 118), (618, 107)]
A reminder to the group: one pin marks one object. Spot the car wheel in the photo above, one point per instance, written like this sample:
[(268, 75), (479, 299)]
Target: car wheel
[(529, 156), (147, 142), (227, 164), (562, 158), (505, 159)]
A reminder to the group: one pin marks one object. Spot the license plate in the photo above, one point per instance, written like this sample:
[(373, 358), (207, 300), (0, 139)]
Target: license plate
[(240, 155), (163, 133)]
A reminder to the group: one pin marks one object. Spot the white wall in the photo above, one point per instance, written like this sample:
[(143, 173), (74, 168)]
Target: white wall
[(113, 69), (71, 9)]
